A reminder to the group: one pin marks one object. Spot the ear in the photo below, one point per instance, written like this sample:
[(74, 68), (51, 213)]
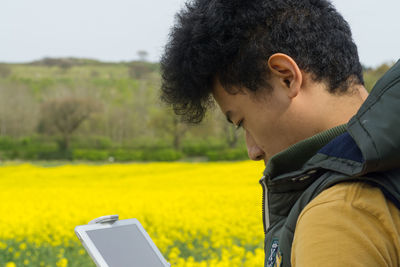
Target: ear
[(287, 71)]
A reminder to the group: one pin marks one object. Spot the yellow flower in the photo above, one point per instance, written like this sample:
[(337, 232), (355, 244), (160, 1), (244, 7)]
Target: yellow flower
[(197, 214), (22, 246), (62, 262), (3, 245), (17, 254), (10, 264)]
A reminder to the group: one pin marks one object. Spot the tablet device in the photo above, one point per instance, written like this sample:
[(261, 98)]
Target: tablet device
[(119, 243)]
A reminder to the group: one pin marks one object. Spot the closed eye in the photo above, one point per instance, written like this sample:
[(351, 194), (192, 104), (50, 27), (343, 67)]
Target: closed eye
[(239, 125), (228, 118)]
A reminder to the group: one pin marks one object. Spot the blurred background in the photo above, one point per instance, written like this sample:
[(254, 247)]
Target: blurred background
[(79, 80), (83, 134)]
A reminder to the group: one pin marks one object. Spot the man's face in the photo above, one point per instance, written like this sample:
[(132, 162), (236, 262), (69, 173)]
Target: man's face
[(271, 120)]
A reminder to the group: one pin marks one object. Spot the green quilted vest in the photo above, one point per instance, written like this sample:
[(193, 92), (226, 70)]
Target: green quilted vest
[(366, 149)]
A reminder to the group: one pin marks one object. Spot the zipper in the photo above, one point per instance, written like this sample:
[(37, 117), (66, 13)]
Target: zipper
[(263, 185)]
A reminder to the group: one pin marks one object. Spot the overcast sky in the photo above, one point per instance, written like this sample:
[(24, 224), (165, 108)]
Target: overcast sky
[(114, 30)]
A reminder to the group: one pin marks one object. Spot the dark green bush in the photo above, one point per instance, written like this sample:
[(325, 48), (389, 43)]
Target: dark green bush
[(127, 155), (101, 149), (7, 143), (162, 155), (195, 147), (147, 143), (29, 149), (198, 149), (53, 154), (95, 142), (9, 154), (90, 154)]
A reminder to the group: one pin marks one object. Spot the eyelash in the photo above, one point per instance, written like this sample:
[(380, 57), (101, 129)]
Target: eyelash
[(239, 125)]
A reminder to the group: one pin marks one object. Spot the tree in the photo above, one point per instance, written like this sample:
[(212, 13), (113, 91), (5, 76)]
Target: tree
[(18, 111), (5, 71), (138, 70), (371, 76), (142, 54), (232, 136), (166, 123), (65, 115)]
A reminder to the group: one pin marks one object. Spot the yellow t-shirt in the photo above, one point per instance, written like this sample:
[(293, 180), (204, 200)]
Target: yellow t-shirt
[(349, 224)]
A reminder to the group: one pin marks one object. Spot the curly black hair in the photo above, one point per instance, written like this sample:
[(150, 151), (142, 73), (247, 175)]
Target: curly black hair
[(233, 39)]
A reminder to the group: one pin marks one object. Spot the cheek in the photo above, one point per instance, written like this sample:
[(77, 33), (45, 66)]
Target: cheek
[(260, 134), (271, 135), (266, 122)]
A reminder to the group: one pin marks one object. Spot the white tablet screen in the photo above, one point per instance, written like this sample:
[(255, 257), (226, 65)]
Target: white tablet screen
[(124, 246)]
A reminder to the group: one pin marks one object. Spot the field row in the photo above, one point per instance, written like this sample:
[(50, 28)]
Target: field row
[(198, 214)]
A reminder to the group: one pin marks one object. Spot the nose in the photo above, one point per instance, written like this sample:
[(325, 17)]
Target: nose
[(253, 150)]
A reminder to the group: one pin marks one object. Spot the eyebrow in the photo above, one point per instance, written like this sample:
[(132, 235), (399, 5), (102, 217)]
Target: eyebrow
[(228, 116)]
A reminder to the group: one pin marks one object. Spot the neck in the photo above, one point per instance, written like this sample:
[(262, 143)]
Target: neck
[(315, 110), (324, 110), (340, 108)]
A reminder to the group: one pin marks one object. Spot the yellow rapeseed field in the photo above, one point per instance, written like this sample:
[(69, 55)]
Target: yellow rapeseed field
[(198, 214)]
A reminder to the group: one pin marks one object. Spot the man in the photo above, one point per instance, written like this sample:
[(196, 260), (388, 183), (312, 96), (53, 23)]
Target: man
[(288, 73)]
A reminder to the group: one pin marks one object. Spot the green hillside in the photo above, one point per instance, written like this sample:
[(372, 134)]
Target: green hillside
[(124, 118), (69, 108)]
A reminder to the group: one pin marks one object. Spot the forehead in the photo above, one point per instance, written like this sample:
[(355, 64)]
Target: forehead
[(219, 93), (224, 99), (234, 96)]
